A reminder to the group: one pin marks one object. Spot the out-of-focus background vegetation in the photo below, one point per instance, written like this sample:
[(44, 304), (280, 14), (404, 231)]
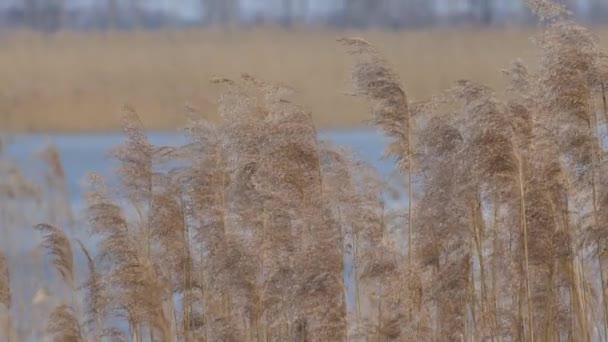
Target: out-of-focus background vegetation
[(69, 65)]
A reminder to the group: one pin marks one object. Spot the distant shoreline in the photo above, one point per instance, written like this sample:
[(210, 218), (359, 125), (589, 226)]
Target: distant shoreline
[(78, 82)]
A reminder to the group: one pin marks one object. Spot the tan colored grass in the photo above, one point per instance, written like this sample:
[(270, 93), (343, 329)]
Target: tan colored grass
[(76, 82)]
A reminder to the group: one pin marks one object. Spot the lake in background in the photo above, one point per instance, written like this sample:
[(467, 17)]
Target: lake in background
[(83, 153)]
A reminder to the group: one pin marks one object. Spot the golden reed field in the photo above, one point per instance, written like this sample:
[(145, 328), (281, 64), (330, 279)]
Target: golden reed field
[(75, 82)]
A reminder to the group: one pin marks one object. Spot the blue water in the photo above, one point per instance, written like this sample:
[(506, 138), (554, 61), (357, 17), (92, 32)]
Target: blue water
[(81, 154)]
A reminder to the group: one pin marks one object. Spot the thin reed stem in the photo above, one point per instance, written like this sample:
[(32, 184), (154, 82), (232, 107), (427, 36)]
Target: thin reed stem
[(524, 226), (410, 195)]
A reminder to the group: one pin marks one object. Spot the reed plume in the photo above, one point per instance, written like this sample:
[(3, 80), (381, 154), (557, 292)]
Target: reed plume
[(221, 254), (138, 291), (374, 80), (64, 326), (277, 141), (58, 187), (59, 248), (135, 158)]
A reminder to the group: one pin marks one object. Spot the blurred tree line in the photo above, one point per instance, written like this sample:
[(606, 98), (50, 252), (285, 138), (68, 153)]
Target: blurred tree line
[(51, 15)]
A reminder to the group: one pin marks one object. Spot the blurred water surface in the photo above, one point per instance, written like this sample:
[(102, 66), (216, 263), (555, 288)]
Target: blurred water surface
[(81, 154)]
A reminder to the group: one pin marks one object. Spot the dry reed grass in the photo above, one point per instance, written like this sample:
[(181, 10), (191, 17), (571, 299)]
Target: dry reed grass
[(242, 234), (73, 82)]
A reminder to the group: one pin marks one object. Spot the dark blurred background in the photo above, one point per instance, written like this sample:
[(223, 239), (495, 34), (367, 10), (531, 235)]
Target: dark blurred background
[(52, 15)]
